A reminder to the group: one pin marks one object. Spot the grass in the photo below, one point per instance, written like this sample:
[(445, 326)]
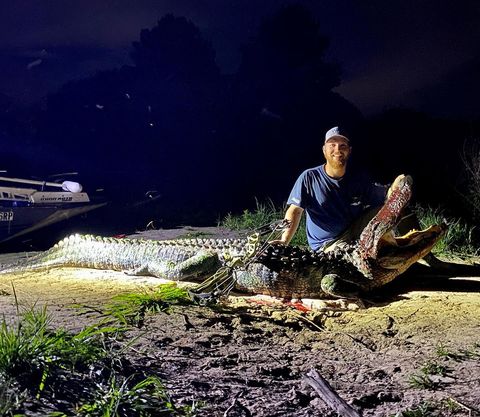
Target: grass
[(434, 368), (264, 213), (445, 407), (443, 352), (58, 373), (131, 308), (422, 382), (422, 379), (28, 349), (424, 409), (10, 398), (22, 344), (451, 406), (146, 397), (30, 354), (459, 237)]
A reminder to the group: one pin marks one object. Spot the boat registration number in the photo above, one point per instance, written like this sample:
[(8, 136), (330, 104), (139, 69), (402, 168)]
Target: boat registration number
[(6, 216)]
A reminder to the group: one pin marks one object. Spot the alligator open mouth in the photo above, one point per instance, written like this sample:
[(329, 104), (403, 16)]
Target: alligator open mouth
[(398, 252), (382, 254)]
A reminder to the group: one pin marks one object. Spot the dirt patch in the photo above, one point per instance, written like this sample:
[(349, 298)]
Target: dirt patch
[(249, 355)]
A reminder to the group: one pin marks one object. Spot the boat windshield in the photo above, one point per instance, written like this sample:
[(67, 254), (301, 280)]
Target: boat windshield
[(15, 194)]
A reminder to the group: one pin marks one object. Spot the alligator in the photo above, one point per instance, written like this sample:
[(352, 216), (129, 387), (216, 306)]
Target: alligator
[(374, 260)]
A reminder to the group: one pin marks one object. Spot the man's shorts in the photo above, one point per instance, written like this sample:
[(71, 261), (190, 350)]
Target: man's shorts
[(352, 232)]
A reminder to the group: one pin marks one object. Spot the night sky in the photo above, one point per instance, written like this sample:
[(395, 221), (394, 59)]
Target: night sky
[(420, 54)]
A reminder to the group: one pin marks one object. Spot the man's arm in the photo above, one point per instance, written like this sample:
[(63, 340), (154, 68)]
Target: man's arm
[(294, 215)]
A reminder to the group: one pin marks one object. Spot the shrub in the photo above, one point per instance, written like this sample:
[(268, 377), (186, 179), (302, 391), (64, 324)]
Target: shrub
[(264, 213), (459, 237)]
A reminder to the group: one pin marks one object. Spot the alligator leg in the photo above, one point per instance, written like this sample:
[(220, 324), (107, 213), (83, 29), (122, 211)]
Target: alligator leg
[(200, 265), (332, 284)]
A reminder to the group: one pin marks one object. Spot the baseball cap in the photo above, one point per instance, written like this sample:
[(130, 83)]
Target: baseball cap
[(335, 132)]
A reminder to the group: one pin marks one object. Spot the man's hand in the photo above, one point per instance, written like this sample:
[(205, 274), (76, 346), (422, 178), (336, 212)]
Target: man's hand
[(277, 242)]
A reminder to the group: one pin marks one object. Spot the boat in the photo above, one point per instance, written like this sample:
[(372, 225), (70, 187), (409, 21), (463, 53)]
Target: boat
[(27, 205)]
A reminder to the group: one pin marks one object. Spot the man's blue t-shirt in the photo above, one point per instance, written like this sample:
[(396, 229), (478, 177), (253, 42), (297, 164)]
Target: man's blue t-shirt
[(331, 204)]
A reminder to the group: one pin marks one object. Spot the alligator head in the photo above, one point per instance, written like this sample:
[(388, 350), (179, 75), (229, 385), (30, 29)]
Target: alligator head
[(380, 255)]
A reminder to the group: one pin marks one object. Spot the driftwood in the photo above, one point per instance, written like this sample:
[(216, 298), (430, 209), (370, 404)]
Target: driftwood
[(239, 405), (329, 395)]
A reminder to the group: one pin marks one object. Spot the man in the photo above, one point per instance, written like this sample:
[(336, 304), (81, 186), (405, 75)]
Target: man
[(338, 203)]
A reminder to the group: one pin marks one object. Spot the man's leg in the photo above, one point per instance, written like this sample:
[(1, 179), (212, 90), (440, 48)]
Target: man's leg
[(353, 232)]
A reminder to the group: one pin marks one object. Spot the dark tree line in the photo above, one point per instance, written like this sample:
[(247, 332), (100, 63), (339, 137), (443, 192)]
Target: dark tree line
[(173, 122)]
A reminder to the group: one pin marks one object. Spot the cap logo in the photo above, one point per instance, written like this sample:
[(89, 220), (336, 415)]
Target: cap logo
[(336, 131)]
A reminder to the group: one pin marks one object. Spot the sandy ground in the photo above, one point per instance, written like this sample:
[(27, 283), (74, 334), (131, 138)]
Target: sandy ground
[(249, 356)]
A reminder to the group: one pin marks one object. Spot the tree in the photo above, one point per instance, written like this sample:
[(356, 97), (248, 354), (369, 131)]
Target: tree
[(147, 124), (283, 103), (175, 48), (289, 52)]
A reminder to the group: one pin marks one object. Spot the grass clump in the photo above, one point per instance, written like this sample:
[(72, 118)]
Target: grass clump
[(434, 368), (464, 354), (32, 357), (423, 379), (57, 373), (459, 238), (24, 344), (424, 409), (10, 397), (131, 309), (445, 407), (146, 397), (422, 382), (263, 214), (28, 348)]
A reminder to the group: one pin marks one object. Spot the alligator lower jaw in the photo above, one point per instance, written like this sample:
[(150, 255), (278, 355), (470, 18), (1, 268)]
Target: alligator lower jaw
[(402, 251)]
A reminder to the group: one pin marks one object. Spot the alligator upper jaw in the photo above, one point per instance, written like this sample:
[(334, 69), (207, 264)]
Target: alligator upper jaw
[(402, 251)]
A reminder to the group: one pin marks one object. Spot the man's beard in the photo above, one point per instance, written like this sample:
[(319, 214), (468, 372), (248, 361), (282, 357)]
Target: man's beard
[(338, 163)]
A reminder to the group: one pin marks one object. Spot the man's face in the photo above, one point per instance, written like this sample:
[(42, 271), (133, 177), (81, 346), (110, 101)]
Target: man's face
[(337, 151)]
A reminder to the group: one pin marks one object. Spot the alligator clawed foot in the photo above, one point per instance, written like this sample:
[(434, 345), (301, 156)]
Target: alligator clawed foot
[(332, 284)]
